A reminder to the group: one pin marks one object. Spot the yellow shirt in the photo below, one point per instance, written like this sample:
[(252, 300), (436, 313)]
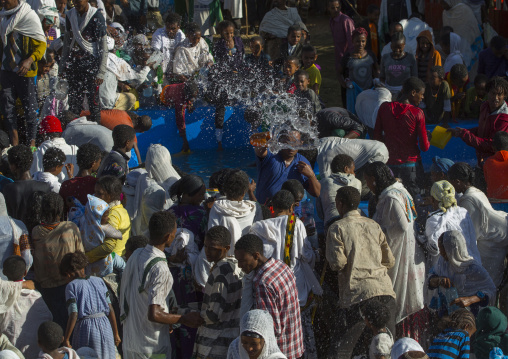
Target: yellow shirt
[(314, 76)]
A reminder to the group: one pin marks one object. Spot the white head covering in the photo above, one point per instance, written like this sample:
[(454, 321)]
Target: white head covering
[(158, 165), (8, 354), (404, 345), (456, 251)]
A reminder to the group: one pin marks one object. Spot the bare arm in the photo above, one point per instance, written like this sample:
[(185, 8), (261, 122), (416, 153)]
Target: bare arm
[(138, 155), (157, 315), (71, 323), (112, 321)]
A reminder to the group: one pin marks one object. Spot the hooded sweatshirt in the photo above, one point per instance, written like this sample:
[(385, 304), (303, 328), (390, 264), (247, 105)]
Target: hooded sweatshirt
[(426, 61), (329, 185), (496, 175), (404, 129)]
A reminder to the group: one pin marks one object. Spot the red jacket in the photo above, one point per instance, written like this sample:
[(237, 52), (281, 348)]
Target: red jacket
[(481, 137), (404, 128)]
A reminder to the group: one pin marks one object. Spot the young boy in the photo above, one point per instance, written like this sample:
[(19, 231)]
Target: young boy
[(20, 322), (475, 96), (376, 316), (291, 65), (43, 76), (49, 337), (309, 57), (458, 79), (53, 162), (257, 58), (496, 167), (292, 47), (436, 103), (222, 297), (116, 162), (309, 99)]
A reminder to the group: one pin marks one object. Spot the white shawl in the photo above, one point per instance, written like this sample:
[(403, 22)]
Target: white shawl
[(22, 19), (9, 294), (76, 29), (124, 72), (184, 239), (189, 60), (455, 56)]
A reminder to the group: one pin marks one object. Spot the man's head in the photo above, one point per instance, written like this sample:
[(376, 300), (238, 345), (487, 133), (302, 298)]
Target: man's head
[(249, 252), (256, 45), (334, 8), (123, 137), (218, 179), (9, 4), (53, 160), (292, 138), (67, 117), (291, 65), (500, 141), (20, 159), (296, 188), (81, 6), (302, 80), (14, 268), (50, 127), (162, 228), (89, 157), (294, 35), (437, 76), (480, 85), (142, 123), (283, 202), (498, 46), (459, 75), (395, 27), (217, 243), (236, 185), (497, 90), (413, 90), (49, 336), (373, 13), (347, 199), (193, 33), (134, 243), (398, 44), (53, 207), (172, 24), (309, 56), (343, 164)]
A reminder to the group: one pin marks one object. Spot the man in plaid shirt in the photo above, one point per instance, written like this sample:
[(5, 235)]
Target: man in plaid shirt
[(272, 288)]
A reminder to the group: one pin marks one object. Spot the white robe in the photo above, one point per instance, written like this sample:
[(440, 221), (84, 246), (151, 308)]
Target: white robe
[(188, 60), (70, 152)]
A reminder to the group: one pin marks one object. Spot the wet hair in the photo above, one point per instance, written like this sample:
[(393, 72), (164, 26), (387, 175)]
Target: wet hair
[(14, 268), (461, 171), (217, 179), (283, 200), (122, 134), (459, 319), (349, 196), (223, 25), (308, 49), (458, 72), (188, 184), (341, 161), (20, 156), (382, 175), (376, 313), (72, 262), (192, 28), (500, 141), (111, 185), (498, 43), (294, 59), (52, 158), (87, 154), (53, 207), (498, 83), (256, 38), (173, 18), (136, 242), (412, 84), (398, 37), (50, 335), (67, 117), (439, 70), (295, 187), (250, 243), (372, 8), (161, 224), (219, 235), (302, 73), (294, 28), (236, 185), (143, 123)]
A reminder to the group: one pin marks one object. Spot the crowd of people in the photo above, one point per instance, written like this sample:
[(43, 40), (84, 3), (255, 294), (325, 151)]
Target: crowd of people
[(99, 260)]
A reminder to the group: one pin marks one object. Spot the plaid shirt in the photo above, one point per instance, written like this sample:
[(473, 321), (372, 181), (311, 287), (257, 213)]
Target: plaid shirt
[(275, 291)]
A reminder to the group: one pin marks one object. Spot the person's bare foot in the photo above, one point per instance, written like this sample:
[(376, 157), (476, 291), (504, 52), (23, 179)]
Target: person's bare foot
[(219, 146)]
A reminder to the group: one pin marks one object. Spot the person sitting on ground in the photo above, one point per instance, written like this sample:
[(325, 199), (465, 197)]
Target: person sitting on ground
[(377, 317), (53, 163), (89, 159), (307, 98), (257, 57), (454, 340), (228, 50), (20, 322), (343, 174), (436, 103), (50, 336), (356, 247), (51, 130), (473, 283), (494, 60), (476, 96), (491, 326), (291, 47), (112, 118), (79, 131), (116, 162), (426, 56), (88, 297), (19, 193), (222, 297), (493, 118), (496, 167), (458, 80), (271, 285), (309, 57), (52, 240)]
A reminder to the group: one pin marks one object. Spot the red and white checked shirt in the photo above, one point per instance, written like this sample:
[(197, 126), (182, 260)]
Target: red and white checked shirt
[(275, 291)]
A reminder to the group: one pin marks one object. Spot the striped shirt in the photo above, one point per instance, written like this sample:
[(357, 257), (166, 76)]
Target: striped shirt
[(220, 310), (450, 344), (275, 291)]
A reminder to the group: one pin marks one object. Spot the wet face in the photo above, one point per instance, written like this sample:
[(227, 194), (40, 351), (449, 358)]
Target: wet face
[(294, 37), (253, 346), (194, 38), (290, 67), (481, 89), (435, 80), (496, 97), (359, 43), (294, 139), (302, 82), (256, 47), (9, 4), (398, 49), (102, 194), (416, 97), (228, 33), (308, 59), (424, 44), (81, 5), (213, 251), (246, 261), (334, 8), (172, 29)]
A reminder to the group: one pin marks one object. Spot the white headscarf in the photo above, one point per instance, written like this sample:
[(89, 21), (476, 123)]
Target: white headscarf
[(259, 322), (404, 345), (456, 251)]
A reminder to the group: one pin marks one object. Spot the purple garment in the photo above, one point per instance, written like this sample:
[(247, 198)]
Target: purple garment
[(491, 65), (51, 36), (342, 27), (224, 55)]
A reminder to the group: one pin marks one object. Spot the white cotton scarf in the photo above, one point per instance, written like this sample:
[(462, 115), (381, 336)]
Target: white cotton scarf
[(184, 239), (76, 29), (23, 20), (404, 345)]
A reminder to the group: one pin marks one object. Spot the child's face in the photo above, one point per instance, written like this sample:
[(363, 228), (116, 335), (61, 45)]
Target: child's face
[(253, 346), (424, 44), (398, 49), (496, 98), (397, 28), (481, 89), (48, 66), (58, 169), (435, 80), (308, 59), (416, 97), (172, 29), (194, 38), (228, 33), (459, 83), (290, 68), (334, 8), (350, 169), (46, 25), (256, 48), (294, 37), (213, 251), (99, 192), (373, 16), (302, 82), (359, 43)]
